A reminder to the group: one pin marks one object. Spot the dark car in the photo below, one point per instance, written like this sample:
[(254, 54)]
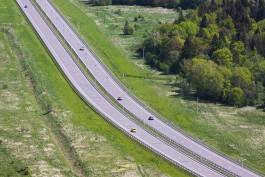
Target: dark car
[(119, 98), (25, 6), (150, 118), (82, 48)]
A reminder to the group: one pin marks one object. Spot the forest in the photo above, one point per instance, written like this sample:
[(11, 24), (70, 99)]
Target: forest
[(214, 46), (217, 49)]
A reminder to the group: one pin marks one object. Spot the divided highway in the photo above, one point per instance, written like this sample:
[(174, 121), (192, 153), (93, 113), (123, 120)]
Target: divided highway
[(87, 90), (129, 102)]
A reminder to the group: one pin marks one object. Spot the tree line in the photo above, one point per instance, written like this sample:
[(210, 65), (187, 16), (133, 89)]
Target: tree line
[(218, 49), (152, 3)]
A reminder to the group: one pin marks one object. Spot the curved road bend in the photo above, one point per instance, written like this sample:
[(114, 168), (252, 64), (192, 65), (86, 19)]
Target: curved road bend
[(109, 83), (90, 94)]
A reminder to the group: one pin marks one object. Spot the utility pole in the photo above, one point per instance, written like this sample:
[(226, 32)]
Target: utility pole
[(143, 53), (197, 105), (242, 162)]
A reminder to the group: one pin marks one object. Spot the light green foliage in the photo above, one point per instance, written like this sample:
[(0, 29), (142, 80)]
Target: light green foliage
[(207, 79), (200, 46), (238, 50), (175, 43), (167, 30), (192, 16), (254, 28), (261, 72), (210, 18), (235, 96), (187, 29), (261, 24), (223, 57), (227, 73), (165, 43), (173, 48), (210, 31), (194, 47), (241, 77)]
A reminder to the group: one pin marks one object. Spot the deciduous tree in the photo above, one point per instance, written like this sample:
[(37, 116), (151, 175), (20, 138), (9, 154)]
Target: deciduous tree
[(223, 57), (206, 78), (236, 96), (241, 77), (238, 50)]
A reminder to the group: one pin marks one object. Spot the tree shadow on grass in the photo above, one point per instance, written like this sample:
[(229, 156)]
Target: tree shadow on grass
[(85, 2), (261, 107), (191, 95)]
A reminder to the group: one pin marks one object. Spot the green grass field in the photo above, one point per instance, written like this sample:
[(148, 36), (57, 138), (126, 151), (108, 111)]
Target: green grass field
[(72, 139), (27, 144), (237, 132)]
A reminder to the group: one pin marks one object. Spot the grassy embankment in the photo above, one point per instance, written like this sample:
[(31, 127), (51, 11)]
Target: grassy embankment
[(237, 132), (71, 139), (27, 143)]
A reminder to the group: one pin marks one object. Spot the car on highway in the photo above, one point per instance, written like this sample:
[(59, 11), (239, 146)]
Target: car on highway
[(133, 130), (150, 118), (82, 48), (119, 98)]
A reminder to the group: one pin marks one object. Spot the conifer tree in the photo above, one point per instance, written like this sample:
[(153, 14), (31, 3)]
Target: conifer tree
[(128, 29)]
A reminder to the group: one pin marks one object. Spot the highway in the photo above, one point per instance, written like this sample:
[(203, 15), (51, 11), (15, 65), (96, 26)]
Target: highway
[(129, 102), (88, 91)]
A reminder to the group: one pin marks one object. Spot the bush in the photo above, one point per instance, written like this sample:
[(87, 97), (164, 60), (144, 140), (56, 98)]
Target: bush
[(136, 26), (24, 171), (118, 12), (128, 29), (141, 17), (5, 86), (235, 97)]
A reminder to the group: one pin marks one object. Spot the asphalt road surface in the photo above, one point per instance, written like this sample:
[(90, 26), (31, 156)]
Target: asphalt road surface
[(114, 88), (85, 88)]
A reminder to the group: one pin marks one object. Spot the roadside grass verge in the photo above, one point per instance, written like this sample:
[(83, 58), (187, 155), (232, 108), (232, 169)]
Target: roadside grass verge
[(70, 139), (237, 132), (27, 145)]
